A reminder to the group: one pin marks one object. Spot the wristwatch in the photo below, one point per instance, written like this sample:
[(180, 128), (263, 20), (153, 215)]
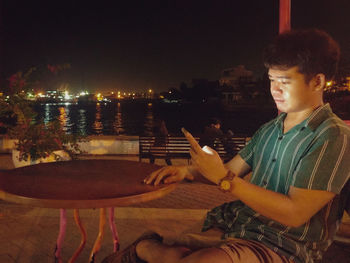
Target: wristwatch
[(225, 183)]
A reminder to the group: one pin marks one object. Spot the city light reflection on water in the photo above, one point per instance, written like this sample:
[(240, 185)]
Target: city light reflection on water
[(118, 121), (149, 120), (64, 117), (100, 118), (82, 121), (48, 114), (98, 126), (137, 118)]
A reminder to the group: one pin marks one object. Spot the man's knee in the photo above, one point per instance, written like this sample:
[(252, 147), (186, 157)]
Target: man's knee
[(207, 255)]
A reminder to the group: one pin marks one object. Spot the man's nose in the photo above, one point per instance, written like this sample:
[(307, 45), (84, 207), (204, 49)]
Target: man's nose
[(275, 87)]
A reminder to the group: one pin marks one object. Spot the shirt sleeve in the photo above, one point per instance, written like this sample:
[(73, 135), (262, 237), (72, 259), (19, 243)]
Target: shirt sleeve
[(247, 152), (326, 166)]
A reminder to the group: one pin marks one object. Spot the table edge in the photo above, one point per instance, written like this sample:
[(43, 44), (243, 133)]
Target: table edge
[(89, 203)]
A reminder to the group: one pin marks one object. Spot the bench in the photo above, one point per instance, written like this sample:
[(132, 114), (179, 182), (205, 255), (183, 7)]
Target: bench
[(177, 147), (233, 146)]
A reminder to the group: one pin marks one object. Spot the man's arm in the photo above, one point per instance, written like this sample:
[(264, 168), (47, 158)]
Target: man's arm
[(293, 209), (238, 166)]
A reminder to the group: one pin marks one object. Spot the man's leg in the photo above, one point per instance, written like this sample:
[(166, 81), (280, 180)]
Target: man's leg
[(152, 251), (183, 246), (235, 250), (195, 246)]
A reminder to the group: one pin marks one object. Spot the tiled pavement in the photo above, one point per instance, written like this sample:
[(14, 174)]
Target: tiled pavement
[(28, 234)]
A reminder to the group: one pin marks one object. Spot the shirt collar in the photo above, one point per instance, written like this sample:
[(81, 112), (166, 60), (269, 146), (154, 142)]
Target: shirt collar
[(318, 116), (315, 119), (280, 118)]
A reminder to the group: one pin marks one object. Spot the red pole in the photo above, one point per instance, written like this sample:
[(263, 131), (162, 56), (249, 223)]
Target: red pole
[(284, 16)]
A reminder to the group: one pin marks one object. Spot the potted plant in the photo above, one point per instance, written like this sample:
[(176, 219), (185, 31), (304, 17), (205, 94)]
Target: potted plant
[(43, 143), (35, 141)]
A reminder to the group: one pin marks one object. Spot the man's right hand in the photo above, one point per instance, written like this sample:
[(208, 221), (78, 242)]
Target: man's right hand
[(169, 174)]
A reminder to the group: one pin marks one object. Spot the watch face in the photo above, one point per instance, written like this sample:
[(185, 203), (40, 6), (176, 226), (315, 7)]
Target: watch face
[(225, 185)]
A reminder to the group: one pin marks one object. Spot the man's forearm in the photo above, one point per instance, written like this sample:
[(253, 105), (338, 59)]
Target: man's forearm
[(273, 205), (293, 209), (194, 175)]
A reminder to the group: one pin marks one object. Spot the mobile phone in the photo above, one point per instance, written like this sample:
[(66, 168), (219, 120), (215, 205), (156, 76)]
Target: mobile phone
[(207, 150)]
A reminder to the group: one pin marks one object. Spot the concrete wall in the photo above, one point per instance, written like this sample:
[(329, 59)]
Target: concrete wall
[(96, 145)]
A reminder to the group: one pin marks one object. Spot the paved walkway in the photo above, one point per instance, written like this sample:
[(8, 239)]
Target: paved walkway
[(28, 234)]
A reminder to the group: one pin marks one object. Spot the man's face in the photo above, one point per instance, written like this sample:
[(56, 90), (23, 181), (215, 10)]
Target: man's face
[(289, 90)]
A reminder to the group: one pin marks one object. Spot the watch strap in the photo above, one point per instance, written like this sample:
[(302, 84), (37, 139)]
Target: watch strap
[(229, 178)]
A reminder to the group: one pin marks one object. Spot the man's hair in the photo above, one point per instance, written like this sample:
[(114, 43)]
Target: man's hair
[(215, 121), (312, 50)]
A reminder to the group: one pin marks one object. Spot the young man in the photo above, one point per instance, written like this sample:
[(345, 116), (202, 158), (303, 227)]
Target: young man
[(290, 209)]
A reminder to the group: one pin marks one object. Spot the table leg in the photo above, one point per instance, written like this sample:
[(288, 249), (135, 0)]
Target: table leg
[(100, 235), (113, 229), (83, 236), (61, 234)]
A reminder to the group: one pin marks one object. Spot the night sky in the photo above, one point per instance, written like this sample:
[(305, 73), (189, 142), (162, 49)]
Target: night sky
[(139, 45)]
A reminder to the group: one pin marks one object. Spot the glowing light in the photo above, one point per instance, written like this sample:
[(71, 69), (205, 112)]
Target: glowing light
[(329, 83), (66, 95), (150, 104), (150, 91), (99, 97)]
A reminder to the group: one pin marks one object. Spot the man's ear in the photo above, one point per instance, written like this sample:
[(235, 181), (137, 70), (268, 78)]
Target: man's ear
[(318, 82)]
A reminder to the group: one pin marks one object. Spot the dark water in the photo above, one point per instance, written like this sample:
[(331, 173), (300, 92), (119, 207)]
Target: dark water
[(136, 118)]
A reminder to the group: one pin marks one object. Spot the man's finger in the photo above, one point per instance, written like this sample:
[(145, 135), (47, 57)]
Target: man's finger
[(164, 174), (194, 144), (171, 179), (149, 179), (194, 157)]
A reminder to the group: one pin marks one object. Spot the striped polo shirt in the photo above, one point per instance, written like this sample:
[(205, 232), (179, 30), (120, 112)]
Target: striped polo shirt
[(314, 154)]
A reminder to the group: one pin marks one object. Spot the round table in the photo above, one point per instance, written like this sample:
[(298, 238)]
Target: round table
[(82, 184)]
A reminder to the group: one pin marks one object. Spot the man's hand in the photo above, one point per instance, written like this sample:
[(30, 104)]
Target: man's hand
[(209, 165), (169, 174)]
